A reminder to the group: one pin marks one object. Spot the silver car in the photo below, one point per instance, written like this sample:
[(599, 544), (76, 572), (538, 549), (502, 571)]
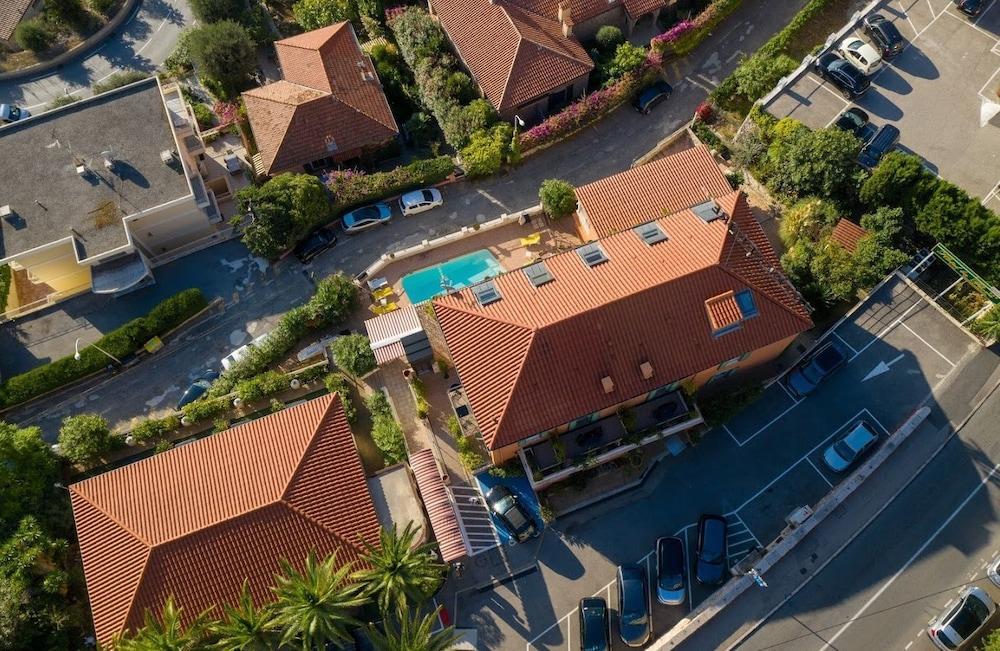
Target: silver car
[(952, 629), (419, 201), (846, 451)]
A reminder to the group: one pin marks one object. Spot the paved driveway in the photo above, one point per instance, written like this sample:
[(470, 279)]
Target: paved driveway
[(933, 91), (764, 464)]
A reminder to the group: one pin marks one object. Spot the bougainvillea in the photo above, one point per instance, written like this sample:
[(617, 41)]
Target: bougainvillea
[(227, 112)]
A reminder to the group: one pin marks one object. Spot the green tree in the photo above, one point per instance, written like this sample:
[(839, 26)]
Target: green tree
[(821, 163), (34, 35), (225, 53), (887, 223), (558, 198), (353, 354), (332, 302), (68, 12), (808, 218), (400, 574), (991, 642), (166, 632), (899, 180), (796, 261), (609, 37), (212, 11), (758, 74), (314, 14), (245, 626), (988, 327), (628, 58), (283, 211), (874, 257), (28, 469), (389, 439), (314, 606), (412, 632), (487, 151), (834, 269), (337, 383), (86, 438)]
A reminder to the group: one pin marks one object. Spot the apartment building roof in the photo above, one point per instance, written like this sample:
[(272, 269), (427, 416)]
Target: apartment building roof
[(195, 521), (541, 346), (329, 101), (49, 200)]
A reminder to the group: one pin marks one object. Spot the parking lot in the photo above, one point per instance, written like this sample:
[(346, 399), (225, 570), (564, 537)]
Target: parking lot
[(933, 91), (765, 463)]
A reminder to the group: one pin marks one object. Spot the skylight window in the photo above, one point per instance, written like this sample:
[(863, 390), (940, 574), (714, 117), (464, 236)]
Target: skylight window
[(650, 233), (708, 211), (592, 254), (748, 307), (538, 274), (486, 293)]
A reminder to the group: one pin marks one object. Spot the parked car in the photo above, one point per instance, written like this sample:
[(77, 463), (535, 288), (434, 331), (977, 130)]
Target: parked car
[(595, 629), (963, 621), (847, 451), (671, 570), (863, 56), (846, 77), (198, 388), (804, 378), (241, 352), (711, 560), (993, 572), (971, 8), (652, 96), (878, 146), (883, 34), (11, 113), (853, 120), (323, 239), (508, 510), (366, 217), (633, 605), (418, 201)]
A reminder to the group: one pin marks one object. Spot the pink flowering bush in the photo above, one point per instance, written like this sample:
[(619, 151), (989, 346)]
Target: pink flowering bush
[(687, 34), (227, 112), (353, 187), (672, 34)]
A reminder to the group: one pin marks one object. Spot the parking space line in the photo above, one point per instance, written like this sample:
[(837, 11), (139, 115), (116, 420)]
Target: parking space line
[(687, 570), (828, 482), (903, 10), (940, 354), (789, 393), (756, 540), (972, 25), (886, 330), (769, 423), (931, 7), (569, 633), (844, 341), (822, 84), (732, 436)]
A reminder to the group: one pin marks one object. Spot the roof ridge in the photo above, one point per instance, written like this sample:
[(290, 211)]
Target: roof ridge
[(251, 92), (362, 112), (513, 387), (135, 588), (513, 59), (481, 314), (542, 45), (124, 527), (291, 41), (330, 407)]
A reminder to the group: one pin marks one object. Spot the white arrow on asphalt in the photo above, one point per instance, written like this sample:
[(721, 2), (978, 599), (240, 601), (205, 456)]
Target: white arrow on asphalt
[(882, 367)]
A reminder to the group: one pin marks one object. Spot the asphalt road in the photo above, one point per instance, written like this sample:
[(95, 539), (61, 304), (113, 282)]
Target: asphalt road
[(142, 43), (935, 538)]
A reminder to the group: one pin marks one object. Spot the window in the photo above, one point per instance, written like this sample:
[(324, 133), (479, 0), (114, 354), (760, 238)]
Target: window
[(580, 422), (744, 299), (734, 361), (592, 254), (708, 211), (331, 144), (486, 293), (650, 233), (538, 274), (721, 375)]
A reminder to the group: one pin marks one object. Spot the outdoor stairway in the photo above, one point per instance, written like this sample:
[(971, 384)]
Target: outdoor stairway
[(474, 519)]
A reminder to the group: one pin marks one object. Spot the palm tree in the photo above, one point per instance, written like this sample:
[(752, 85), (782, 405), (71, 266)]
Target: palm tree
[(314, 605), (400, 573), (246, 627), (167, 633), (406, 633)]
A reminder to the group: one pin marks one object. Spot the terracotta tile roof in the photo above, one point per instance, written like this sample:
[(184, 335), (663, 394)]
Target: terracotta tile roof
[(514, 55), (637, 8), (196, 521), (580, 10), (11, 13), (534, 359), (723, 311), (846, 233), (439, 505), (330, 94), (646, 192)]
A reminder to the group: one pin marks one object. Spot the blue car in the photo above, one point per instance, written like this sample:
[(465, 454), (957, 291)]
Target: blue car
[(198, 388), (363, 218), (808, 375), (652, 96), (633, 605)]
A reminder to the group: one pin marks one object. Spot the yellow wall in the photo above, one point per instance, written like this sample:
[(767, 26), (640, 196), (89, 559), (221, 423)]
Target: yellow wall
[(56, 266)]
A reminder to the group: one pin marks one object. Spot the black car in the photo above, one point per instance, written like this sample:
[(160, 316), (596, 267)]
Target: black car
[(853, 120), (198, 388), (879, 145), (711, 565), (884, 35), (842, 74), (514, 517), (594, 628), (633, 605), (652, 96), (671, 570), (315, 244), (806, 377), (971, 8)]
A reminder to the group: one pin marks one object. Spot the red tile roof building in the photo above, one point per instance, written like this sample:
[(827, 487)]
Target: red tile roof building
[(329, 106), (12, 12), (847, 234), (195, 521), (708, 291)]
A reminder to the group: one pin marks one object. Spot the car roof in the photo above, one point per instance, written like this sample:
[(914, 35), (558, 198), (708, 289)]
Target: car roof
[(860, 435), (886, 135)]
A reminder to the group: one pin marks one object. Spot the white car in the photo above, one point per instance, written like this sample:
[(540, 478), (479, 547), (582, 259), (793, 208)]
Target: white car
[(845, 452), (962, 621), (993, 572), (241, 352), (863, 56), (418, 201)]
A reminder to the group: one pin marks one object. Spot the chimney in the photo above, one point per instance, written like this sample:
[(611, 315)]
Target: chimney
[(647, 370), (564, 15), (567, 28), (608, 384)]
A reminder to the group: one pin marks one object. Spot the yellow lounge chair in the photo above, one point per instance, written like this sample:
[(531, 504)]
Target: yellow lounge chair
[(531, 240), (385, 292), (383, 309)]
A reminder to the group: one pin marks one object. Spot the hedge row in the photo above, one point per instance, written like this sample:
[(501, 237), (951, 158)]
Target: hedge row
[(686, 35), (386, 430), (121, 343), (352, 188), (4, 286)]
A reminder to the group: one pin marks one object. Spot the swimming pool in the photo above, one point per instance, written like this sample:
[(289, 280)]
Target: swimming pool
[(460, 272)]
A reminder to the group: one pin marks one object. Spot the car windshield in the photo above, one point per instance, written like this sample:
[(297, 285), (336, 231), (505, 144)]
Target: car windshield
[(426, 194), (713, 541), (813, 372), (593, 632), (828, 359), (368, 212), (671, 565), (15, 113), (633, 602), (970, 617), (844, 451)]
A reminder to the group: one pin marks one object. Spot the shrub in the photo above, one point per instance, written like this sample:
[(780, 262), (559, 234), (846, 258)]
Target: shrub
[(609, 37), (4, 286), (718, 409), (809, 218), (558, 198), (203, 115), (661, 42), (103, 7), (178, 63), (314, 14), (683, 38), (460, 87), (988, 326), (34, 35), (119, 79), (68, 12), (224, 53), (154, 429), (454, 426), (261, 386), (212, 11), (468, 453), (86, 438), (487, 151), (351, 188), (420, 397), (163, 446), (758, 74), (353, 354), (628, 59), (386, 431), (512, 468), (337, 383), (206, 408), (420, 126), (822, 163), (332, 302), (378, 405), (62, 100)]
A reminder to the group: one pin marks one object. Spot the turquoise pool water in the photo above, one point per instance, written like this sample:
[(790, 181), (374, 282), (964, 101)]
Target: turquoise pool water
[(460, 272)]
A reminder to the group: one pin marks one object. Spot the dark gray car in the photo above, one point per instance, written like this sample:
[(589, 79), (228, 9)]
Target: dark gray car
[(712, 561), (633, 605)]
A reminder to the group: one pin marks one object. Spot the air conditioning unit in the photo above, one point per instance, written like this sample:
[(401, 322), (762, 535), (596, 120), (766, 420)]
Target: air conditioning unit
[(797, 517), (167, 156)]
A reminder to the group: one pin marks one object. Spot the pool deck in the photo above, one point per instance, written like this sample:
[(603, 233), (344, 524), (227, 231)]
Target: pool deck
[(504, 243)]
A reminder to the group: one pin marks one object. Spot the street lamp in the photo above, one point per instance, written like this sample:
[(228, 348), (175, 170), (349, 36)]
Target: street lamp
[(76, 353), (518, 122)]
